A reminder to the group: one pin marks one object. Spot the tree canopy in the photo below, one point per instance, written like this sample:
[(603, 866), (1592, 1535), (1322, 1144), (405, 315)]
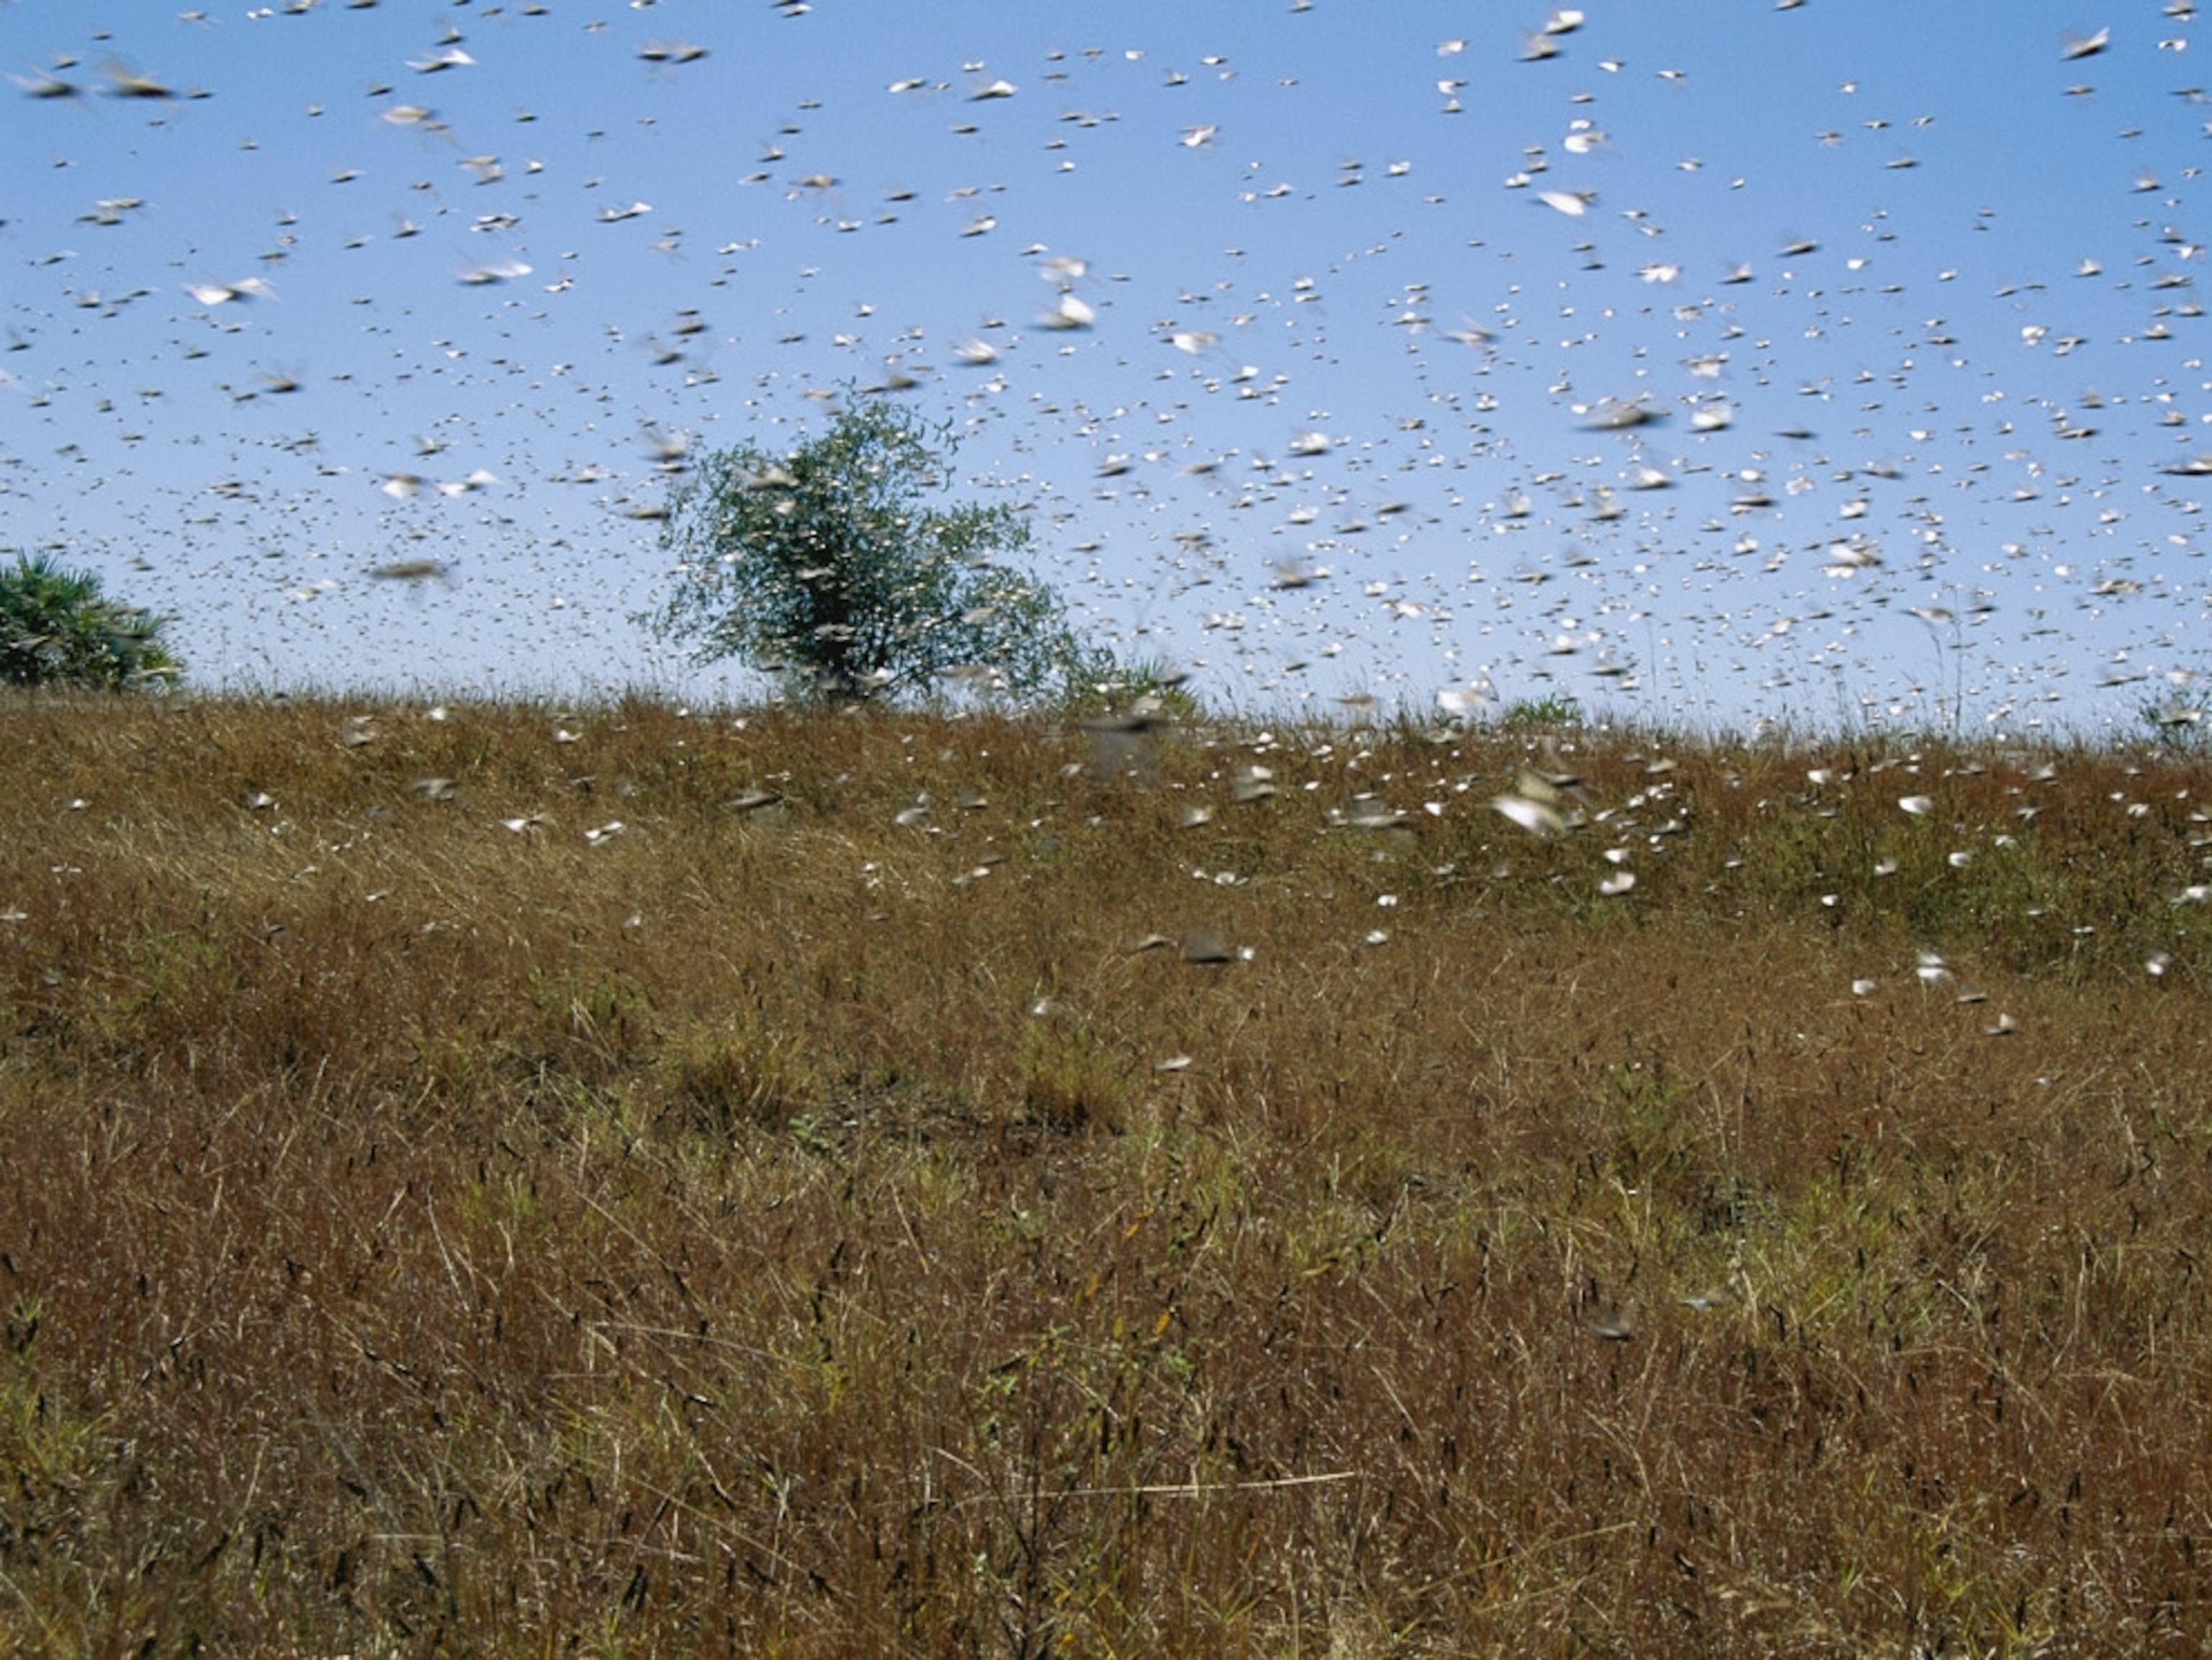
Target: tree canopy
[(829, 564), (56, 628)]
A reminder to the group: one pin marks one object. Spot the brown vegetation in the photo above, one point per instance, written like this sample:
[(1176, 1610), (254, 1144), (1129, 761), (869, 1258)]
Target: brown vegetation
[(793, 1223)]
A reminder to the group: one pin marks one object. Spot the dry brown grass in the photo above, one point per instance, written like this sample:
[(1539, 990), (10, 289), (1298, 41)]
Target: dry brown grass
[(772, 1230)]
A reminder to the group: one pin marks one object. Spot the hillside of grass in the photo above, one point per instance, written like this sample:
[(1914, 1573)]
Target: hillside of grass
[(620, 1180)]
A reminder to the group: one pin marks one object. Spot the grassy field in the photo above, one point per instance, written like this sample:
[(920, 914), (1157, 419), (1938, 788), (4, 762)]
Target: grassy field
[(617, 1181)]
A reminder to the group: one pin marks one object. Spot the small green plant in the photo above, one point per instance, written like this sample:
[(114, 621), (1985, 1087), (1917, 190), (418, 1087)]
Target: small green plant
[(1536, 714), (1152, 684), (56, 628), (810, 1134)]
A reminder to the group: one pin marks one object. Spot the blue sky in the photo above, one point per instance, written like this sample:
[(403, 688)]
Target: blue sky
[(1907, 292)]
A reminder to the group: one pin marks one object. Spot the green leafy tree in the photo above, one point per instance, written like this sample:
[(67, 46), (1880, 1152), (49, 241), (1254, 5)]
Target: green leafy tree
[(829, 565), (56, 628)]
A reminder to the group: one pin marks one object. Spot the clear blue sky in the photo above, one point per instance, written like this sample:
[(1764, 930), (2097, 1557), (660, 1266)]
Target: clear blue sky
[(1346, 326)]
